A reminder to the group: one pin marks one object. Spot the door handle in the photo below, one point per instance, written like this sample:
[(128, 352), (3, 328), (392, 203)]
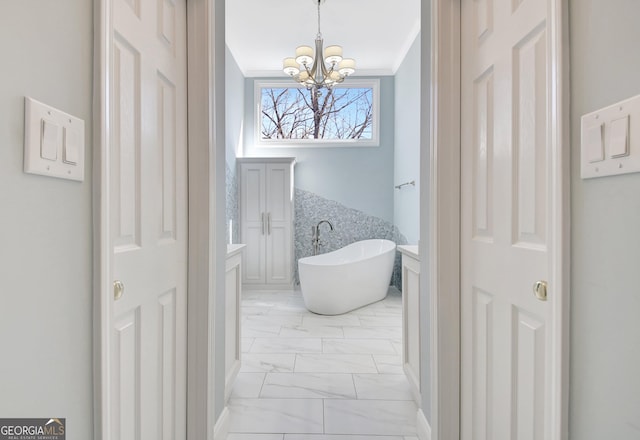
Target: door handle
[(262, 217), (118, 289), (269, 223), (540, 290)]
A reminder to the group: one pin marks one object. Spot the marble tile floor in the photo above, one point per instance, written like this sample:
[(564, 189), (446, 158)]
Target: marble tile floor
[(311, 377)]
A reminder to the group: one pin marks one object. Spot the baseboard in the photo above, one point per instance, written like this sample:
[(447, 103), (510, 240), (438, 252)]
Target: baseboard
[(221, 428), (230, 379), (423, 428)]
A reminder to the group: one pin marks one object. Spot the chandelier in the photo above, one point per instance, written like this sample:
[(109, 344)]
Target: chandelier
[(314, 72)]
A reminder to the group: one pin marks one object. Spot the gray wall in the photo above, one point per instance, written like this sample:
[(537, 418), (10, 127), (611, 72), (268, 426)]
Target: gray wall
[(605, 293), (406, 201), (234, 125), (425, 161), (45, 233), (358, 177)]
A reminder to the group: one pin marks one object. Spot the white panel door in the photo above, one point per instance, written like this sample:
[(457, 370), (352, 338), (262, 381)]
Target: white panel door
[(506, 213), (278, 211), (253, 221), (147, 177)]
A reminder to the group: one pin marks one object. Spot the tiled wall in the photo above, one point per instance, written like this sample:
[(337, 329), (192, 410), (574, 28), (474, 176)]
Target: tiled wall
[(350, 225), (232, 205)]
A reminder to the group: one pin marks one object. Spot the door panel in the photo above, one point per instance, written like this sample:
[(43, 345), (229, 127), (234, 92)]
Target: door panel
[(483, 157), (253, 262), (125, 406), (168, 326), (253, 187), (278, 258), (530, 138), (148, 218), (505, 110), (529, 365), (125, 147), (278, 224), (277, 176), (253, 221), (167, 166), (483, 357)]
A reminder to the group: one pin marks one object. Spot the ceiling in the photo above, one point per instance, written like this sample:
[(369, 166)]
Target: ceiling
[(376, 33)]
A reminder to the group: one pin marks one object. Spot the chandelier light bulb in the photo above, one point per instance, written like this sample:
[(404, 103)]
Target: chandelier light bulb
[(304, 55), (347, 66), (335, 76), (333, 54), (302, 77), (290, 66)]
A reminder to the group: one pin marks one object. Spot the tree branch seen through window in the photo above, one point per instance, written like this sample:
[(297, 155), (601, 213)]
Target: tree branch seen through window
[(332, 114)]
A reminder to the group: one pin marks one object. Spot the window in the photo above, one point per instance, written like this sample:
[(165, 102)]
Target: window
[(288, 115)]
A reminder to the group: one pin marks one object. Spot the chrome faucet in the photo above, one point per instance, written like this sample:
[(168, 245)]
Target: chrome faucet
[(315, 235)]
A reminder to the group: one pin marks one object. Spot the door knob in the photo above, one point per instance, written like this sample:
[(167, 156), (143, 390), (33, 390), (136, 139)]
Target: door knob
[(540, 290), (118, 289)]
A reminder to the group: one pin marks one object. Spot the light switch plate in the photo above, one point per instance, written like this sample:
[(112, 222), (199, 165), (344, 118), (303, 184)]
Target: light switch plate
[(620, 131), (51, 139)]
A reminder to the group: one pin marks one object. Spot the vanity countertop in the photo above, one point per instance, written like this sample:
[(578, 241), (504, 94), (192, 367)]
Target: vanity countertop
[(410, 250), (233, 249)]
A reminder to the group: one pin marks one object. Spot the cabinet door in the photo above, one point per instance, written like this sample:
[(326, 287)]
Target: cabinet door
[(279, 224), (253, 221)]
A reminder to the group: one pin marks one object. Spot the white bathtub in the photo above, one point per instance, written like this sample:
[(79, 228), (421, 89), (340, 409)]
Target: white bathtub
[(343, 280)]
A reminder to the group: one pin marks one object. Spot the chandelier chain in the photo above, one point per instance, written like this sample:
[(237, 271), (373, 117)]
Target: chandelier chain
[(319, 33)]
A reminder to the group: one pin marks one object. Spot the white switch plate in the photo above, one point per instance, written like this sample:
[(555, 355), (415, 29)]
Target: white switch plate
[(621, 136), (50, 138)]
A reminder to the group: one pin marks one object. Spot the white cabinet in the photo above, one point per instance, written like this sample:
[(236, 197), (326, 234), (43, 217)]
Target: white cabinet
[(233, 306), (411, 317), (266, 222)]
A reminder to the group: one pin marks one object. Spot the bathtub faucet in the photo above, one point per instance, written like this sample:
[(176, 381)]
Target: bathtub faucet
[(315, 235)]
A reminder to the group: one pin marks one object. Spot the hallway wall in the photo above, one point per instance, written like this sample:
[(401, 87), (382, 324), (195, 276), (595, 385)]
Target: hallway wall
[(406, 152), (46, 233), (605, 297)]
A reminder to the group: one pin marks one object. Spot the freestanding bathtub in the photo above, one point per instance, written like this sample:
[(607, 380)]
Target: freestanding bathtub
[(348, 278)]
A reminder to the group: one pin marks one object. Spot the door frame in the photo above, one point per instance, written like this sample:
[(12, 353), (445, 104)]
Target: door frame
[(440, 203), (206, 412)]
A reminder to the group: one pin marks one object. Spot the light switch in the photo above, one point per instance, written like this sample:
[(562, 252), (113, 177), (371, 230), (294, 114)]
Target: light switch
[(53, 142), (50, 135), (619, 137), (71, 145), (610, 140), (595, 146)]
